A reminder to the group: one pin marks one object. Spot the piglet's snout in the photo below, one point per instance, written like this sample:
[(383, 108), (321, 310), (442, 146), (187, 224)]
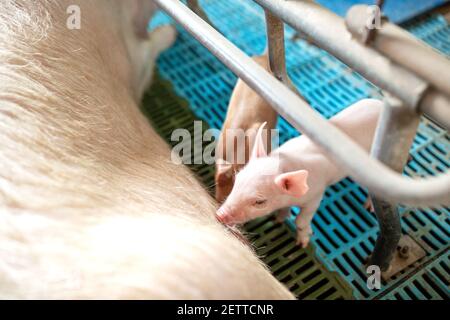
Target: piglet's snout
[(227, 216), (223, 216)]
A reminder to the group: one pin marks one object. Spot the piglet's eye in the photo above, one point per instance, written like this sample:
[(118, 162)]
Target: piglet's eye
[(260, 202)]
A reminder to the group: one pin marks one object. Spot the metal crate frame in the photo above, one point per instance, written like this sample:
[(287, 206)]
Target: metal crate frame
[(342, 226)]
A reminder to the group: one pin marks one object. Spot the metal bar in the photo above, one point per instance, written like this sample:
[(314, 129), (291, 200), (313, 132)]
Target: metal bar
[(275, 43), (437, 108), (403, 48), (329, 32), (393, 139), (389, 236), (364, 169), (277, 53)]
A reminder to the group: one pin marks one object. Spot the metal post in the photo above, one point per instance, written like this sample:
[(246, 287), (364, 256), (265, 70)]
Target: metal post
[(394, 136), (195, 6), (277, 53), (390, 233)]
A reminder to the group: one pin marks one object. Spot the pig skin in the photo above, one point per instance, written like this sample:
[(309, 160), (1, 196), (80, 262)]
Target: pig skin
[(90, 204)]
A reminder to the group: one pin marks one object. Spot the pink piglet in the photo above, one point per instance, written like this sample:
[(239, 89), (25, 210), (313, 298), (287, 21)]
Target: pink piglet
[(295, 174)]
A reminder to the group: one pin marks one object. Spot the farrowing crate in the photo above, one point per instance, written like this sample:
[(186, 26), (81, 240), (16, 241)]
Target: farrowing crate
[(345, 232)]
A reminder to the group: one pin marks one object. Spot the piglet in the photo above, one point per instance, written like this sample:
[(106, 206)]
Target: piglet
[(247, 111), (295, 174)]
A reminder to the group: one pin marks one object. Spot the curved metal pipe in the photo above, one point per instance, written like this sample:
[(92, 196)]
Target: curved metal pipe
[(403, 48), (394, 136), (328, 31), (379, 179)]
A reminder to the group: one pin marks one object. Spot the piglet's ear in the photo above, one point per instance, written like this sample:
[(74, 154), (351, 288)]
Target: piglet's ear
[(293, 183), (258, 148)]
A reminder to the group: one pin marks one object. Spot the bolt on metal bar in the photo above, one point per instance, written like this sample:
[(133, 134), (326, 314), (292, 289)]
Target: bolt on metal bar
[(382, 181), (393, 139), (277, 53), (329, 32)]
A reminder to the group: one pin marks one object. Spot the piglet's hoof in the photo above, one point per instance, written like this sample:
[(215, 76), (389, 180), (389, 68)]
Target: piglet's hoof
[(303, 241), (303, 236)]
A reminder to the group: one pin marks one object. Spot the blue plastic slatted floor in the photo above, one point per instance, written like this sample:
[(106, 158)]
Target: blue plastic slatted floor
[(345, 232)]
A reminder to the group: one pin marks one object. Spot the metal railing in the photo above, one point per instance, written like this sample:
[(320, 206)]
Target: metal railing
[(416, 90)]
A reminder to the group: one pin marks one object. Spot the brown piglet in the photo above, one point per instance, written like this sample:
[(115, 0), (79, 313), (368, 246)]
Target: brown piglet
[(247, 111)]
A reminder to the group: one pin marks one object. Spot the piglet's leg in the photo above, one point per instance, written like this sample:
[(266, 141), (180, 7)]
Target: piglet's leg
[(282, 214), (303, 223)]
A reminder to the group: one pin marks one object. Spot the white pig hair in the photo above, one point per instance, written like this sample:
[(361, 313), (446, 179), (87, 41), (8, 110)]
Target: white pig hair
[(90, 204)]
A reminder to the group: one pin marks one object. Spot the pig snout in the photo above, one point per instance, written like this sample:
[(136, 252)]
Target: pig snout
[(228, 216), (223, 216)]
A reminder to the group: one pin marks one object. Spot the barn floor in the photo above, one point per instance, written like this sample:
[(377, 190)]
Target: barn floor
[(193, 85)]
